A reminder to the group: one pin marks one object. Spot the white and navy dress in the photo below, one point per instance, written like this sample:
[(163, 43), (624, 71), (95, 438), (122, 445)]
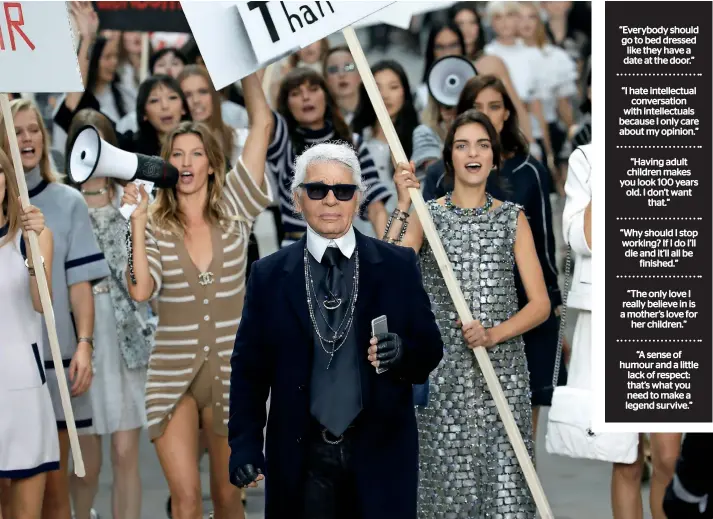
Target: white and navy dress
[(29, 443), (77, 258)]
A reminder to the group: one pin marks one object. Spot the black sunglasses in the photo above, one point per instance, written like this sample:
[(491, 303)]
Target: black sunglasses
[(320, 190)]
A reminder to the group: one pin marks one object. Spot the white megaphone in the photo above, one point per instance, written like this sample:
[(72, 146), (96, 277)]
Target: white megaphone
[(91, 156), (447, 77)]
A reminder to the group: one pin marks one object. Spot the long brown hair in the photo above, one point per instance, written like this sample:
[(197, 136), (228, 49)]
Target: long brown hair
[(512, 139), (295, 79), (19, 105), (225, 133), (10, 204), (165, 212)]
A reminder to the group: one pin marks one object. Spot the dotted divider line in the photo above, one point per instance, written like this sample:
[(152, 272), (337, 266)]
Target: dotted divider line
[(636, 147), (663, 74), (659, 276), (658, 218), (659, 340)]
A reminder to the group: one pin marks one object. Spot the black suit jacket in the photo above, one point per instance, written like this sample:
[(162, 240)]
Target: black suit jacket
[(273, 353)]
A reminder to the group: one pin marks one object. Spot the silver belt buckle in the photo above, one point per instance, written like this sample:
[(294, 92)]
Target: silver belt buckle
[(331, 442)]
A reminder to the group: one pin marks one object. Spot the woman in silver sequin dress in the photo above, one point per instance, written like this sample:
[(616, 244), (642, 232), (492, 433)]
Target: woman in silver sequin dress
[(468, 468)]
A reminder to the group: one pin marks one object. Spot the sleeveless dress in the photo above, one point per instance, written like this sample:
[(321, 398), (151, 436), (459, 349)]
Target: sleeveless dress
[(29, 444), (468, 468)]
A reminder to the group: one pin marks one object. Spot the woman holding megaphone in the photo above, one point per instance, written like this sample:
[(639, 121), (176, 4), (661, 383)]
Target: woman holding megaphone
[(189, 251)]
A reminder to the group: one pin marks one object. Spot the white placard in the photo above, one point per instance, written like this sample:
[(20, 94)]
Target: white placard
[(223, 41), (36, 48), (397, 14), (276, 27)]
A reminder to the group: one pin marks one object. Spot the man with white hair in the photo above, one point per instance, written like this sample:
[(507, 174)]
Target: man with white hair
[(341, 435)]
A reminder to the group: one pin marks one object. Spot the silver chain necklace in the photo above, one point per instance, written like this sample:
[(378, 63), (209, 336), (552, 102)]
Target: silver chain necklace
[(309, 283)]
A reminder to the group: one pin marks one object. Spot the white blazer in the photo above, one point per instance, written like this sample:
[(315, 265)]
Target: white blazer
[(579, 193)]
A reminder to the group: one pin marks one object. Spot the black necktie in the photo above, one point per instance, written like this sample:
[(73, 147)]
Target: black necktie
[(335, 392), (335, 292)]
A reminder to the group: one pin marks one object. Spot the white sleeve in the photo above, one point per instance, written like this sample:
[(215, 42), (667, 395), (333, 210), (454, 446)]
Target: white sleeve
[(578, 195)]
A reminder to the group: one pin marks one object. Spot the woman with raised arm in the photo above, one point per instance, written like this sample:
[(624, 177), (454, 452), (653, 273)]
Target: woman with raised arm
[(306, 115), (29, 447), (190, 252), (461, 433)]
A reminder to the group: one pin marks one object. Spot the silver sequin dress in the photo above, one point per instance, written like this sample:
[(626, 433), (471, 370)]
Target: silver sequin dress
[(468, 468)]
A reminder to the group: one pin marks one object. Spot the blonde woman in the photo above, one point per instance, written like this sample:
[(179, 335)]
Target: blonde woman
[(29, 447), (78, 263), (190, 252), (204, 103), (558, 78)]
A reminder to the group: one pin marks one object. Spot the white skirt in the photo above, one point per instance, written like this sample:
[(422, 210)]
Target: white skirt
[(117, 392), (29, 443)]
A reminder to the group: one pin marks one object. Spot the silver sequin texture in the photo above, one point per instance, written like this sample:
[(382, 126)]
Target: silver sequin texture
[(468, 468)]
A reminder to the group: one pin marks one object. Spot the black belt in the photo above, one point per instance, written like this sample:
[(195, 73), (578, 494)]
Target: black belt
[(326, 436)]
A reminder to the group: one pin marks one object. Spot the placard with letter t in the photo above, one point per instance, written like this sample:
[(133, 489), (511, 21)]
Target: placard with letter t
[(276, 28), (36, 48)]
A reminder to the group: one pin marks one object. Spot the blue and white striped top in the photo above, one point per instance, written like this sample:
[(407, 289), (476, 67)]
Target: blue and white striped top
[(281, 157)]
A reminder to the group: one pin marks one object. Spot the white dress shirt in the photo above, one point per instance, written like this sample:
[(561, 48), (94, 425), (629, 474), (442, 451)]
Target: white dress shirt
[(317, 244)]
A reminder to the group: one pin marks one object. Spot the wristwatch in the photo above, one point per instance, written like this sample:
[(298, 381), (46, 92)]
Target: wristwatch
[(32, 268)]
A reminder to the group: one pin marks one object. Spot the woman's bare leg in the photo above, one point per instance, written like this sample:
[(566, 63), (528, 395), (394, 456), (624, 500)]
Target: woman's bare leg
[(177, 453), (126, 487), (626, 489), (84, 490), (227, 503), (26, 497), (665, 448), (56, 501)]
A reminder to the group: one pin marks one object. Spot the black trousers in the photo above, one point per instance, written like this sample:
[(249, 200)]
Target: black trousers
[(330, 486)]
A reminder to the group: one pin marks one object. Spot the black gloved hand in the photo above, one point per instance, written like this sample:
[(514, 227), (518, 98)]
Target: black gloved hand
[(387, 352), (246, 475)]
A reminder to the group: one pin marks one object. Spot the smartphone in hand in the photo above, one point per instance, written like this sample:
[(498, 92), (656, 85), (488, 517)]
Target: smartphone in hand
[(379, 326)]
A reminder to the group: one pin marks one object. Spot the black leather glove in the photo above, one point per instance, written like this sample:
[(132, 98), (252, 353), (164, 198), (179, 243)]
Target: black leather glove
[(245, 475), (389, 350)]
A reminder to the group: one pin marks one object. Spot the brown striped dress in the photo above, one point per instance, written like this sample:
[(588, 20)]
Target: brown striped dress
[(198, 322)]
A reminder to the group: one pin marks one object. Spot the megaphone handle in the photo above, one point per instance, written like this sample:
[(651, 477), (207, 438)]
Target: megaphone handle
[(127, 210)]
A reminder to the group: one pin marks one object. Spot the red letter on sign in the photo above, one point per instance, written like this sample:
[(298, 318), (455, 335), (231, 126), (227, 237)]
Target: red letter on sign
[(15, 24)]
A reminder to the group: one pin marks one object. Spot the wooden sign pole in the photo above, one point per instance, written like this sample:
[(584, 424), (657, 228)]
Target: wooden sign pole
[(44, 291), (145, 49), (444, 264)]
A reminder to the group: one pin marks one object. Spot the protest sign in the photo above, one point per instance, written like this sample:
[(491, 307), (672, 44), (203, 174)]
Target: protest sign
[(223, 41), (274, 28), (142, 16), (36, 46), (399, 14)]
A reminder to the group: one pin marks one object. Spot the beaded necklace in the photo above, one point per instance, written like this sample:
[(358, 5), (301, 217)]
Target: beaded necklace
[(476, 211)]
